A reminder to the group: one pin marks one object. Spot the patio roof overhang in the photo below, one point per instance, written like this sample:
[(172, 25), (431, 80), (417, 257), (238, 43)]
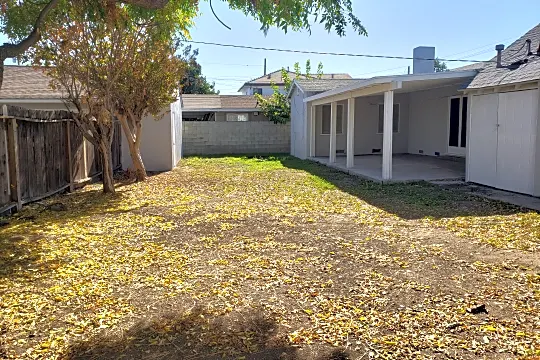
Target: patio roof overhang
[(222, 110), (398, 84)]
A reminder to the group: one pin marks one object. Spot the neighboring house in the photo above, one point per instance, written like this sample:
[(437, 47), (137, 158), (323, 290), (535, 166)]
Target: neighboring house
[(263, 85), (161, 138), (199, 107), (227, 124), (478, 122)]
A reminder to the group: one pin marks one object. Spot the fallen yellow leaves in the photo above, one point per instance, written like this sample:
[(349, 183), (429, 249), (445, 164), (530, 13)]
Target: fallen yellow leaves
[(332, 260)]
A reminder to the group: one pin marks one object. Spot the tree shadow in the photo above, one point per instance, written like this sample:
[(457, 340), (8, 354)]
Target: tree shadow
[(21, 250), (406, 200), (200, 335), (197, 334)]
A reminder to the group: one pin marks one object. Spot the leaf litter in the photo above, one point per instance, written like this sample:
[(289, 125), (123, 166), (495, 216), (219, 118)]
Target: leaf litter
[(269, 256)]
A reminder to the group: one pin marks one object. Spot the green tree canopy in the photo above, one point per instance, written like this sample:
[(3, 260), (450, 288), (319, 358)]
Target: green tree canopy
[(193, 82), (277, 107), (440, 66), (23, 21)]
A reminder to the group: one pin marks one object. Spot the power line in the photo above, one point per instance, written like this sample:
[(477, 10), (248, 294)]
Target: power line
[(480, 47), (329, 53)]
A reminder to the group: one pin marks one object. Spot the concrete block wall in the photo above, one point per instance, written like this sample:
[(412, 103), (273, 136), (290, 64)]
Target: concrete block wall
[(214, 138)]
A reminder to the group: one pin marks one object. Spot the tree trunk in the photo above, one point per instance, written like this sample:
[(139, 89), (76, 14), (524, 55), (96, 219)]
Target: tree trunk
[(106, 156), (136, 158), (134, 142)]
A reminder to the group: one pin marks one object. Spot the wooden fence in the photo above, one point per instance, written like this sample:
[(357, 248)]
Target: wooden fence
[(43, 153)]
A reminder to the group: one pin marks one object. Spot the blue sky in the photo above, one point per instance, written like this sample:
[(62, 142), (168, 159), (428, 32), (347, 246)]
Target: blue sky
[(457, 29)]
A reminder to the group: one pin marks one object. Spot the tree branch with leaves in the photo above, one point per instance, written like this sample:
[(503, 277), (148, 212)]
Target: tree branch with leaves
[(24, 21), (277, 107)]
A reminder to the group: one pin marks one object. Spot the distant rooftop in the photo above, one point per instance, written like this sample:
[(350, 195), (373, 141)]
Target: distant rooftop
[(198, 102), (275, 77), (319, 85)]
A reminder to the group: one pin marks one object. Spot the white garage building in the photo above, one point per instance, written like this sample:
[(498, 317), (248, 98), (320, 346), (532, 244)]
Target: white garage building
[(479, 122)]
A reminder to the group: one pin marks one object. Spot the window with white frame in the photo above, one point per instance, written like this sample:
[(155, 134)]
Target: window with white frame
[(395, 119), (237, 117), (257, 91), (326, 110)]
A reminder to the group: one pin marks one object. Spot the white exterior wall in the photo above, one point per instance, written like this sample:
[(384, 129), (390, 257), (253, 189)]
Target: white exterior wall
[(504, 137), (366, 124), (429, 114), (300, 124), (156, 144), (537, 150), (322, 142), (176, 119), (266, 90)]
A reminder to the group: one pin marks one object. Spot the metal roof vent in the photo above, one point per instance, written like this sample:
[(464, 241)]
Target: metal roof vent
[(529, 42), (499, 49)]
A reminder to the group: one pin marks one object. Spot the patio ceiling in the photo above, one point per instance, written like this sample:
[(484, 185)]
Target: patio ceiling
[(398, 83)]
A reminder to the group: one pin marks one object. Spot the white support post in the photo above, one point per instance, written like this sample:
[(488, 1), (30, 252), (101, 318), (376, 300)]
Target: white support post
[(350, 133), (333, 126), (312, 131), (387, 135)]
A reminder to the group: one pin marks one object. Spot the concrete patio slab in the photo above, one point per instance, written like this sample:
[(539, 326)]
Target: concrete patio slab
[(405, 167)]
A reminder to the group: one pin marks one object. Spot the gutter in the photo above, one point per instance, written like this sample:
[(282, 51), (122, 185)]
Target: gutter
[(389, 79)]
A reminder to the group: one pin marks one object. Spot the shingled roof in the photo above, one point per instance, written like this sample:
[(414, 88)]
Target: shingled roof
[(200, 102), (27, 82), (517, 67), (319, 85)]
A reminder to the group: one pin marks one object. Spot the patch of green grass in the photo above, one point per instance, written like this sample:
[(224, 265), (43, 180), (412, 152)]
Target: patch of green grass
[(493, 222), (319, 183), (249, 162)]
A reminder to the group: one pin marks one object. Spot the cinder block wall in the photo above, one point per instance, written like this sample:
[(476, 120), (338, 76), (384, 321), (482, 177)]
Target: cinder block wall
[(214, 137)]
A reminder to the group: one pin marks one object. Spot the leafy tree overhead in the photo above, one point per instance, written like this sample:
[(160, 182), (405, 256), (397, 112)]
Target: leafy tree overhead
[(193, 82), (24, 21), (277, 107), (119, 68)]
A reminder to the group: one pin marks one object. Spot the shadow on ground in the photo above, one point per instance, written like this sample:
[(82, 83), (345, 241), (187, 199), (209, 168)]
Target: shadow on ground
[(20, 247), (196, 335), (407, 200)]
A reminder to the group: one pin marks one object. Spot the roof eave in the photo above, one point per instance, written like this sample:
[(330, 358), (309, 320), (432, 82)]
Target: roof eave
[(33, 100), (294, 83), (395, 78), (222, 110)]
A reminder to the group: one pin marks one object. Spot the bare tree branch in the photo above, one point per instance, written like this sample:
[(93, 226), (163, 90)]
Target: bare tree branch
[(148, 4), (8, 50)]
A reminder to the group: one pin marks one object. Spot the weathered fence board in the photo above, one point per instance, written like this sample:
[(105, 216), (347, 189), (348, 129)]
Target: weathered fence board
[(45, 154), (4, 166)]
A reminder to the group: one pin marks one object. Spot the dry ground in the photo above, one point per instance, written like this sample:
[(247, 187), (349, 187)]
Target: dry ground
[(270, 258)]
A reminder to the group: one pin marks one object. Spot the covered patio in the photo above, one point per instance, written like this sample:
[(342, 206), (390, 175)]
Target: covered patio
[(392, 128), (405, 167)]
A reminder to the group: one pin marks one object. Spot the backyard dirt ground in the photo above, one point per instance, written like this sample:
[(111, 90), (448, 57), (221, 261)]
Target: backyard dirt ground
[(269, 258)]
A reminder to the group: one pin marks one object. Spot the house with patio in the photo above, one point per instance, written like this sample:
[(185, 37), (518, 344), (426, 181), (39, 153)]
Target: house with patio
[(479, 123)]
